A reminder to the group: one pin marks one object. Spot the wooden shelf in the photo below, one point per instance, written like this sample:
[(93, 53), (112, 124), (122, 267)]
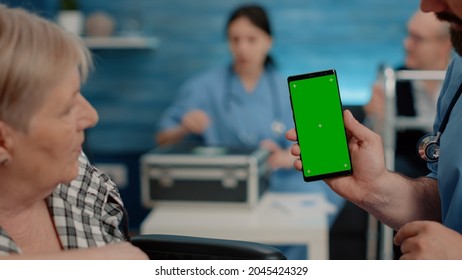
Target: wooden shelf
[(121, 42)]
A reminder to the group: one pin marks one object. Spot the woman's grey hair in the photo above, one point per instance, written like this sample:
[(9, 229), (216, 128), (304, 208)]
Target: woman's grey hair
[(35, 54)]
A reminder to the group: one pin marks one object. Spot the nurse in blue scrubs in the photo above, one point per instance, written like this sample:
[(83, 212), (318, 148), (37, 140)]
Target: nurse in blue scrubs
[(245, 104), (242, 104)]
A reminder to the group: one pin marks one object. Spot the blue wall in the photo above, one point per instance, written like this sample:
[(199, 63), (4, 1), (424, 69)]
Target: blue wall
[(131, 88)]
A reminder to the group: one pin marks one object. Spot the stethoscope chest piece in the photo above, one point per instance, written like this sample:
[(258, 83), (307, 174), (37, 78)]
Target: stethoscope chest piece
[(429, 148)]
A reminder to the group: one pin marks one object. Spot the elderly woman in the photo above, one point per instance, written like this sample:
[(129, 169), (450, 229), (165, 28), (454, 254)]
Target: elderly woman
[(53, 203)]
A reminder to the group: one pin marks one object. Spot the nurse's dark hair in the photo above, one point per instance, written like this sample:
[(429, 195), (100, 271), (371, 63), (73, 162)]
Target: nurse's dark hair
[(258, 16)]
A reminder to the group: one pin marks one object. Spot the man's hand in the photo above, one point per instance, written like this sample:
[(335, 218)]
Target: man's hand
[(428, 240), (369, 173)]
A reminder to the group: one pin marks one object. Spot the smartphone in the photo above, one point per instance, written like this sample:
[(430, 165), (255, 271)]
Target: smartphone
[(318, 117)]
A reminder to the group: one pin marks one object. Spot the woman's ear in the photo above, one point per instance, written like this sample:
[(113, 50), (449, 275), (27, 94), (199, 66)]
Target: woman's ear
[(5, 143)]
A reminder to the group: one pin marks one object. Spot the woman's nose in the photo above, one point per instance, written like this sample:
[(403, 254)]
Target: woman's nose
[(89, 117)]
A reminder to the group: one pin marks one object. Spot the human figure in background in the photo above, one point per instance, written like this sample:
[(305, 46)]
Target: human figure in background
[(53, 203), (427, 47), (244, 104), (425, 211)]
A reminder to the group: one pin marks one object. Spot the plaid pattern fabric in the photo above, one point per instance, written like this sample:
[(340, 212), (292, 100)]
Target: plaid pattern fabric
[(86, 213)]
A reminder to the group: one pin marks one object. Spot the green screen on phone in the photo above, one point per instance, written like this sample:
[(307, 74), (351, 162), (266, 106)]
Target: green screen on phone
[(317, 111)]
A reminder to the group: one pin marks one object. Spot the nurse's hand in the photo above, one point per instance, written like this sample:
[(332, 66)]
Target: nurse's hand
[(427, 240), (195, 121), (279, 157)]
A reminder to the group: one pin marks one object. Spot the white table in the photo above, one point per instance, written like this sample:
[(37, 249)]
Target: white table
[(279, 219)]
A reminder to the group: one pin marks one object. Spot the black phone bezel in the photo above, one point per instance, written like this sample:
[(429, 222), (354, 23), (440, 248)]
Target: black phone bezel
[(309, 76)]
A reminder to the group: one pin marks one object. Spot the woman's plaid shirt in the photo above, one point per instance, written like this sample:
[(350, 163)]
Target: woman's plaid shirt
[(86, 213)]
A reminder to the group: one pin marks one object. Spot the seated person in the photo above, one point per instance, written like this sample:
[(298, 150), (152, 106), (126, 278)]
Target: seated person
[(428, 47), (245, 104), (54, 204)]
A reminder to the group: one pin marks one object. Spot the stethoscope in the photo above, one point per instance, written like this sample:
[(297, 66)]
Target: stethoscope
[(428, 146), (277, 126)]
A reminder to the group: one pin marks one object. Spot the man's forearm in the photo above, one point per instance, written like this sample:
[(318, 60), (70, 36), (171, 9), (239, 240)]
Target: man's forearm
[(407, 200)]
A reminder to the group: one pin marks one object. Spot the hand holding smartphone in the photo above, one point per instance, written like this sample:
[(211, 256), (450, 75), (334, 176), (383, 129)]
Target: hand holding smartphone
[(318, 118)]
